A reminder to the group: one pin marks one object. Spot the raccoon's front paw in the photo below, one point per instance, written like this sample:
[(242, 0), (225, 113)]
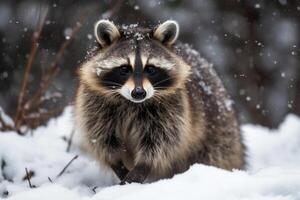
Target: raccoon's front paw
[(133, 177), (138, 174), (122, 183)]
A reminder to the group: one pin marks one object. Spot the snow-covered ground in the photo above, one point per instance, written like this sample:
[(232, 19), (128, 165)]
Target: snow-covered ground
[(273, 172)]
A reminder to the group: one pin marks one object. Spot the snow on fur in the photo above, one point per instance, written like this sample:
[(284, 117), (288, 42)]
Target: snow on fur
[(273, 171)]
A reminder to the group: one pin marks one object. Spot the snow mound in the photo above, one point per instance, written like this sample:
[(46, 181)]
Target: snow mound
[(273, 171)]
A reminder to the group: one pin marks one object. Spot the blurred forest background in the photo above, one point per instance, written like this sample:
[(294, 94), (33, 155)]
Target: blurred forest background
[(254, 46)]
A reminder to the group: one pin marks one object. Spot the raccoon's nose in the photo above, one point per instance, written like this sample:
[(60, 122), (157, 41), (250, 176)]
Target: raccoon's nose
[(138, 93)]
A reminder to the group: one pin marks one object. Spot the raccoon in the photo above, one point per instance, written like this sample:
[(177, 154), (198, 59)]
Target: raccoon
[(148, 107)]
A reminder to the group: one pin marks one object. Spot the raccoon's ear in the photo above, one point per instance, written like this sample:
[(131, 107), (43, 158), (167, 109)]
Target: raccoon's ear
[(167, 32), (106, 32)]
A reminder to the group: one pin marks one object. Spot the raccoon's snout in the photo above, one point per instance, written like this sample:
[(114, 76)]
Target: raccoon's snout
[(138, 93)]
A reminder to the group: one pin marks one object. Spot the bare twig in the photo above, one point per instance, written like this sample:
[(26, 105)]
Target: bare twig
[(48, 76), (70, 140), (52, 70), (28, 177), (34, 47), (50, 180), (29, 107), (64, 169), (94, 189)]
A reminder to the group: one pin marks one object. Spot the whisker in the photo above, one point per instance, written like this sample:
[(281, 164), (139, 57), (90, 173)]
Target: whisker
[(164, 80), (104, 69), (161, 87), (112, 82)]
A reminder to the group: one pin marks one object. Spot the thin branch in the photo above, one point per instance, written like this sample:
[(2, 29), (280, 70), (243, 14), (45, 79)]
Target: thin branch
[(27, 106), (64, 169), (54, 67), (70, 140), (94, 189), (50, 180), (34, 47), (28, 178), (37, 98)]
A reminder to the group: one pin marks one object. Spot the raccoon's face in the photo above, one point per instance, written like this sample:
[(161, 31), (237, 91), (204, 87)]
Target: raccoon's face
[(135, 63)]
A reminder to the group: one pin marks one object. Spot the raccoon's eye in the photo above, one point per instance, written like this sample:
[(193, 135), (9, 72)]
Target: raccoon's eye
[(125, 70), (150, 70)]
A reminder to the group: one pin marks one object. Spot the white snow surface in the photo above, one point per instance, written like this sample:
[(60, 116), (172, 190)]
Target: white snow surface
[(273, 171)]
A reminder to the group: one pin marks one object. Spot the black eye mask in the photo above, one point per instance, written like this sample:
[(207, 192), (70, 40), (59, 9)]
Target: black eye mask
[(159, 78), (117, 77)]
